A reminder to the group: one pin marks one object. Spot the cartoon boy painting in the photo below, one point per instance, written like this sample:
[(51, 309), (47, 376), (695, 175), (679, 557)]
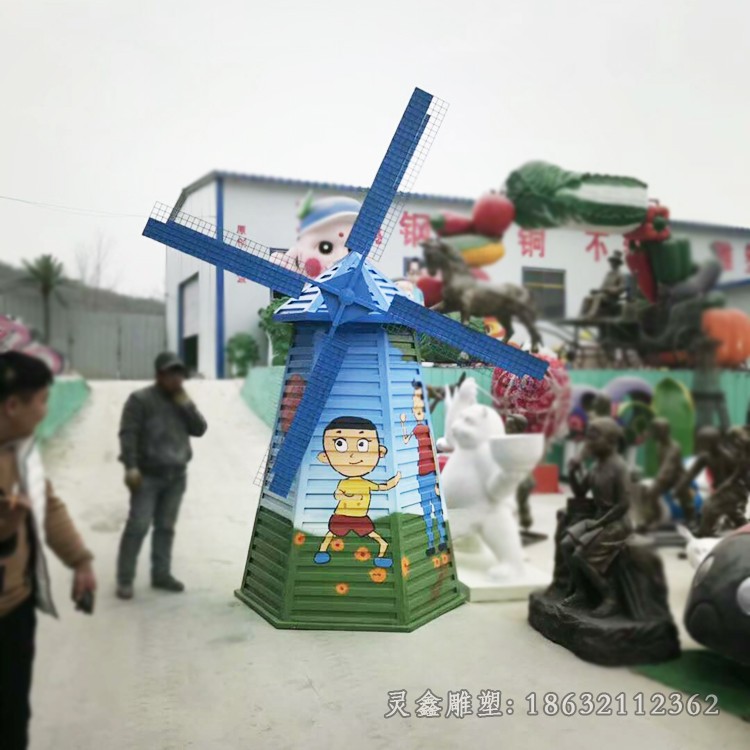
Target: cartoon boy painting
[(352, 447), (429, 489)]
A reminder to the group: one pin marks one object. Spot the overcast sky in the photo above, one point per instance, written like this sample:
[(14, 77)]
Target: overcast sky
[(110, 106)]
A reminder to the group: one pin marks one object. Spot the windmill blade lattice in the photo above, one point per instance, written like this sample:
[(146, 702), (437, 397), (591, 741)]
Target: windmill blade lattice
[(398, 171), (327, 364), (233, 252), (478, 345), (260, 474), (346, 295)]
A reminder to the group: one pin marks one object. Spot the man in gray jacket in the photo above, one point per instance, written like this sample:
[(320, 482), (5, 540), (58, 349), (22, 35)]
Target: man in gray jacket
[(155, 430)]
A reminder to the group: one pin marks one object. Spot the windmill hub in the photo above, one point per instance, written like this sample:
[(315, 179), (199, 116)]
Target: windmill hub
[(346, 296)]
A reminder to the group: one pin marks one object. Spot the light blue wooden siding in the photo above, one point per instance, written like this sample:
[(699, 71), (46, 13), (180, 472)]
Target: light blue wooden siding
[(359, 391), (375, 383), (299, 362)]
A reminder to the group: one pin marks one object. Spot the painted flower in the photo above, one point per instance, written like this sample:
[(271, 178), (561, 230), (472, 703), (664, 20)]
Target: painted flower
[(342, 589), (405, 567), (362, 554), (337, 545), (445, 558), (377, 575), (436, 562), (299, 538)]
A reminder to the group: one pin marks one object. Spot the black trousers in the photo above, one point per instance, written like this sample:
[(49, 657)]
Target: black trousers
[(17, 631)]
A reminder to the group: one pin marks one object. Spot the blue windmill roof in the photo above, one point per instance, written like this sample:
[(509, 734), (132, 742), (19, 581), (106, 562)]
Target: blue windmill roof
[(311, 304)]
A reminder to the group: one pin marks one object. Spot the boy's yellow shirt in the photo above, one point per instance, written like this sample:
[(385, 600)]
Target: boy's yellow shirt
[(360, 503)]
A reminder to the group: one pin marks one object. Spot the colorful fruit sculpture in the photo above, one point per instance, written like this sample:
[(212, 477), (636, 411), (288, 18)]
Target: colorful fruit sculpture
[(492, 215), (478, 237), (546, 197), (732, 329), (655, 228), (493, 328), (544, 403)]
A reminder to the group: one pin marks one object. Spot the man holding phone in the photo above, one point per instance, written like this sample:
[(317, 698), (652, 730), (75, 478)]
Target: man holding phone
[(29, 510), (155, 430)]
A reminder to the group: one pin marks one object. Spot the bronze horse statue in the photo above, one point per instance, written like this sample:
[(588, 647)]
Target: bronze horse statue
[(470, 296)]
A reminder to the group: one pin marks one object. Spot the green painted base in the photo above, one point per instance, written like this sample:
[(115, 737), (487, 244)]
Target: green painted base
[(267, 615), (283, 582)]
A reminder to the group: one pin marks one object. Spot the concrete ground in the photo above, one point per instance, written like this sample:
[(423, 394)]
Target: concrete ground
[(201, 670)]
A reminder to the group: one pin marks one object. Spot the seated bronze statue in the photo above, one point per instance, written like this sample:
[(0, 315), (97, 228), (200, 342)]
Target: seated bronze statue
[(590, 546), (608, 598), (606, 300)]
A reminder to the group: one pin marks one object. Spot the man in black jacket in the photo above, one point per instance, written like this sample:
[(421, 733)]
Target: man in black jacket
[(155, 430)]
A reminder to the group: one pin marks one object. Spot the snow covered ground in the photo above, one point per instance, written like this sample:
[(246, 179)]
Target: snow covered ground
[(201, 670)]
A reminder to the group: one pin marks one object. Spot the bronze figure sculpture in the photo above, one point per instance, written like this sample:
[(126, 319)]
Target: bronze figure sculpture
[(516, 424), (590, 546), (606, 299), (725, 457), (608, 599), (669, 477), (727, 504)]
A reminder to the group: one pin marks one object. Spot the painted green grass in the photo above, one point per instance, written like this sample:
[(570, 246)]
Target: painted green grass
[(283, 582)]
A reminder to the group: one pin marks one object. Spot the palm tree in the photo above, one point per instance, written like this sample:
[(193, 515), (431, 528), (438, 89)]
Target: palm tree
[(48, 275)]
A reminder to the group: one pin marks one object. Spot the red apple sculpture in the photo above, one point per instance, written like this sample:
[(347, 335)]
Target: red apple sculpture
[(493, 214)]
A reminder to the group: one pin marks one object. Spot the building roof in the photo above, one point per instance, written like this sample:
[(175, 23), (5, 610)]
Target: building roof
[(311, 304), (307, 184), (218, 174)]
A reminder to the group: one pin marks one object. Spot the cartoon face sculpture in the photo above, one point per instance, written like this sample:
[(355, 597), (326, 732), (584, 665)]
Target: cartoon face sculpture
[(323, 231), (718, 609)]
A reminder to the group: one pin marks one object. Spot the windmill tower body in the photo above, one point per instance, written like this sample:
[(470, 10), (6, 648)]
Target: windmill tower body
[(377, 381), (351, 531)]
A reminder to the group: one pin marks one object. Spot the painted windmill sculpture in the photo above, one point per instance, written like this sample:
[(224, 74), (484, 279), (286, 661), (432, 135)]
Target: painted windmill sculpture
[(350, 531)]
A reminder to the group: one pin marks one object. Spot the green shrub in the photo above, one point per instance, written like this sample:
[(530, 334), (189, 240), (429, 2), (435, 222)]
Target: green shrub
[(432, 350), (242, 353), (280, 334)]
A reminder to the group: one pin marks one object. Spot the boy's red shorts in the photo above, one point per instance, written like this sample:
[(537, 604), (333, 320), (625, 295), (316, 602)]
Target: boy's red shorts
[(341, 525)]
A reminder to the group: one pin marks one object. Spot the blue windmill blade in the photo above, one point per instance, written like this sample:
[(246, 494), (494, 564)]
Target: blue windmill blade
[(478, 345), (319, 384), (231, 252), (398, 171)]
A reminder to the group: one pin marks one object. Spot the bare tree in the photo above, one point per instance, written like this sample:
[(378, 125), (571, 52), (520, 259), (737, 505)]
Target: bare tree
[(95, 266)]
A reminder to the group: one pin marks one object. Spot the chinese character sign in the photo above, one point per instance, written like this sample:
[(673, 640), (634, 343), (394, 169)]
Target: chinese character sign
[(723, 253), (597, 245), (414, 228), (531, 242)]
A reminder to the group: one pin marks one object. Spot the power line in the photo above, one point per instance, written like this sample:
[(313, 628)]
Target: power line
[(73, 210)]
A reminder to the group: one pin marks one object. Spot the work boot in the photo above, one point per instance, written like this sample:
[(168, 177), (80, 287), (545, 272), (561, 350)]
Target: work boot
[(168, 583), (124, 590)]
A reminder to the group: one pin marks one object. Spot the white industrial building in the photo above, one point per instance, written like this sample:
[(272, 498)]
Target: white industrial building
[(205, 307)]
